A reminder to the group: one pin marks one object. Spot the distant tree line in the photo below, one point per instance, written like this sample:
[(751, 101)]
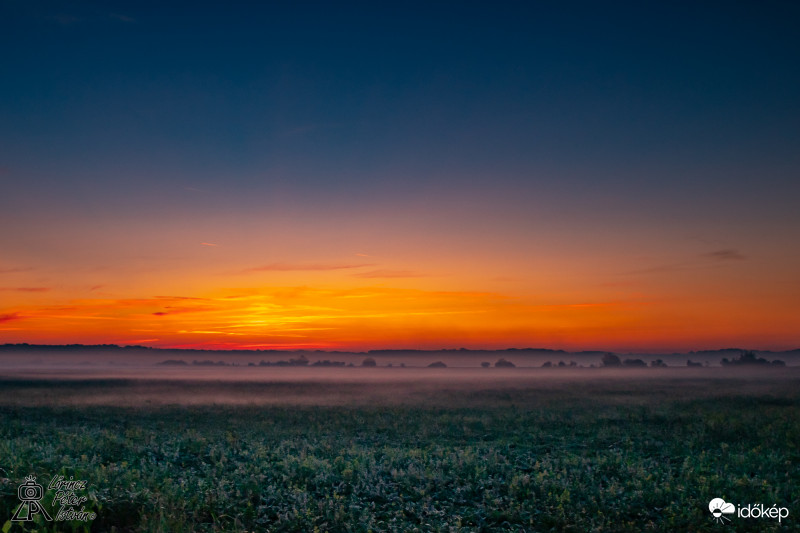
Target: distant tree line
[(749, 358)]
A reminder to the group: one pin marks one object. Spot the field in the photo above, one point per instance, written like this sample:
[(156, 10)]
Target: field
[(626, 451)]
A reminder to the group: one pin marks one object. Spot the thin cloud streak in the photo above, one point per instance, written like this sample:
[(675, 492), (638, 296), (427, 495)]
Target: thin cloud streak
[(672, 267), (14, 270), (705, 260), (726, 255), (294, 267), (381, 273), (180, 298), (9, 317)]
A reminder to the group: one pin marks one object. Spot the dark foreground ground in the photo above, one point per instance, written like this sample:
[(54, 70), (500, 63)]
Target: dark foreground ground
[(546, 452)]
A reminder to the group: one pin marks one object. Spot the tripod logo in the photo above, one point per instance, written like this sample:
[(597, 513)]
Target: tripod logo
[(30, 494)]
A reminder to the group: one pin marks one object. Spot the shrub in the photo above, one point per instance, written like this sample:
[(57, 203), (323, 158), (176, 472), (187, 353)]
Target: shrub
[(634, 363), (609, 359)]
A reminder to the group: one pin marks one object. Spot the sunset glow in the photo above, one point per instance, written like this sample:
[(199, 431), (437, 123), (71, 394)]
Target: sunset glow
[(352, 306), (259, 189)]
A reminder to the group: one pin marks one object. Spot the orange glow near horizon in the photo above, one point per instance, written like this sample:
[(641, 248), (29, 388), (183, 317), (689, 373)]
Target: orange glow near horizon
[(378, 316), (408, 279)]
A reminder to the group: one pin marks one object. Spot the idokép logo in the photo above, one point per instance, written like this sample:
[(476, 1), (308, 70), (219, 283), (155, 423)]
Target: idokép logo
[(720, 508)]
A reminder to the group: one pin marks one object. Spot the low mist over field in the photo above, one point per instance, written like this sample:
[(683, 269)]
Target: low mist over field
[(110, 361), (372, 388), (136, 376)]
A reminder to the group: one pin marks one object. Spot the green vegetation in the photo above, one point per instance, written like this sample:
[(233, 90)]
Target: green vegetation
[(604, 455)]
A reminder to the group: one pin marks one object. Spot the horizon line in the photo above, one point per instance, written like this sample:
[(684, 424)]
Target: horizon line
[(26, 345)]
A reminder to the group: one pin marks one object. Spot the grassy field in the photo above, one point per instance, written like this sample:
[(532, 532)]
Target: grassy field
[(594, 454)]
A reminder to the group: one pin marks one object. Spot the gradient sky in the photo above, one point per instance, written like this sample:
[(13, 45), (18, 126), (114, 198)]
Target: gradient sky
[(577, 175)]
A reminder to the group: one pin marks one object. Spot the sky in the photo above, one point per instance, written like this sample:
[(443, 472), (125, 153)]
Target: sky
[(349, 176)]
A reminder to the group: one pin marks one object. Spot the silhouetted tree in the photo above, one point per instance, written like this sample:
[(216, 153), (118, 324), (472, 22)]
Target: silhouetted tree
[(609, 359), (369, 361), (634, 363), (300, 361), (437, 364), (502, 363), (746, 358), (486, 364)]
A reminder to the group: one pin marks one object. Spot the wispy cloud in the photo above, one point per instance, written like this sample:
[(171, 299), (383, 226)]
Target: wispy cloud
[(9, 317), (180, 298), (289, 267), (671, 267), (25, 289), (383, 273), (617, 284), (182, 310), (13, 270), (726, 255), (703, 261), (208, 244), (584, 305)]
